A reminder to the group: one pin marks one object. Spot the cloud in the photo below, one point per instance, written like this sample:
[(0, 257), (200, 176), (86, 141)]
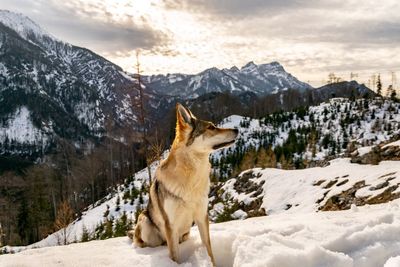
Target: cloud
[(89, 25), (310, 38)]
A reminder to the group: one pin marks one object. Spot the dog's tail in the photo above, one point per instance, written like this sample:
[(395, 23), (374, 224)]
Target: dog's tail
[(131, 234), (135, 234)]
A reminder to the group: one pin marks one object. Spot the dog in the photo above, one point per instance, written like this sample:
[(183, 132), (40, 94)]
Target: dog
[(178, 196)]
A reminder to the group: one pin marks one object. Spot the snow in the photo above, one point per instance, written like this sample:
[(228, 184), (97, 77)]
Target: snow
[(327, 119), (367, 237), (23, 25), (364, 150), (396, 143), (3, 68), (94, 215), (21, 129), (297, 189)]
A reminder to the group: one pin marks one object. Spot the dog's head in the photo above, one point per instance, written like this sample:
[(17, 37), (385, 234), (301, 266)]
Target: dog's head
[(199, 135)]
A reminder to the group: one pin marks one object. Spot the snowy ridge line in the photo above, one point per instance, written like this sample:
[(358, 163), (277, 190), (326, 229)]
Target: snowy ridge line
[(23, 25), (261, 79)]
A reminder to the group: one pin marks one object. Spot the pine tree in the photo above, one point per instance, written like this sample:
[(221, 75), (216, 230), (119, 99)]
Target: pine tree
[(85, 234), (118, 202), (108, 230), (121, 226), (107, 212), (393, 95), (379, 85)]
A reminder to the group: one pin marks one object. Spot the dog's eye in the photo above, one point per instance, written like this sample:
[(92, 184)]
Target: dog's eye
[(211, 127)]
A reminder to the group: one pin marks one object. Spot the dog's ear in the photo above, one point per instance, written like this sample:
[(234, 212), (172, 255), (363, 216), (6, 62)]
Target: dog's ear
[(184, 117)]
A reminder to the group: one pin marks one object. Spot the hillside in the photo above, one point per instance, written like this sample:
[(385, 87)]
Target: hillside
[(55, 90), (362, 236), (282, 144), (255, 192), (307, 136)]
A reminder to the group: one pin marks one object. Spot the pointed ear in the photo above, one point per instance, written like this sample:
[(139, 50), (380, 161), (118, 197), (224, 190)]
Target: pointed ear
[(183, 115)]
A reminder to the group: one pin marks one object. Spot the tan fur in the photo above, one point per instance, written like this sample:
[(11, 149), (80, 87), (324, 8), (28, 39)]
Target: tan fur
[(179, 196)]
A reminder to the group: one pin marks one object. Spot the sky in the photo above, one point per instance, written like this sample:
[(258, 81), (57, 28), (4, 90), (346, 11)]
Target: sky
[(309, 38)]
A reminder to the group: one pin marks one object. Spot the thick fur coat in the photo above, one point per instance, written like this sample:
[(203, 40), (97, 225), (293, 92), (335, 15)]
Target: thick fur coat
[(179, 193)]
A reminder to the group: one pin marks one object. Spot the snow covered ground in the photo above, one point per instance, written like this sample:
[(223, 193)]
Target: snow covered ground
[(306, 190), (360, 237)]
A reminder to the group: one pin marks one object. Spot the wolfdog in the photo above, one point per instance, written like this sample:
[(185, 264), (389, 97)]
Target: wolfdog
[(179, 193)]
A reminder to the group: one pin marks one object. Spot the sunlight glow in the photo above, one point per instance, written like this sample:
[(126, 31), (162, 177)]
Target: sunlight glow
[(192, 41)]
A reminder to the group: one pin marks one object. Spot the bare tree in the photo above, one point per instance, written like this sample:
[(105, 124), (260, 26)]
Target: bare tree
[(1, 236), (142, 115), (64, 217)]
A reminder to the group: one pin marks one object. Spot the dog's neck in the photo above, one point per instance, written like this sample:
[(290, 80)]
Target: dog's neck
[(185, 173), (187, 159)]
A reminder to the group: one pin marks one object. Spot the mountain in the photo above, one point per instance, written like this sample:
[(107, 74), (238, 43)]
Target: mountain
[(342, 89), (260, 79), (216, 106), (51, 89)]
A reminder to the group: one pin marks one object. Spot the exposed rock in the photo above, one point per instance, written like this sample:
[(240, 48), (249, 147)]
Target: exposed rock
[(342, 182), (345, 199), (242, 185), (330, 184), (378, 154)]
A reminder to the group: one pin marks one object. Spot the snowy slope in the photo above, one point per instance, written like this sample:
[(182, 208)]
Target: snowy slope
[(283, 192), (312, 189), (20, 128), (341, 121), (68, 87), (360, 237)]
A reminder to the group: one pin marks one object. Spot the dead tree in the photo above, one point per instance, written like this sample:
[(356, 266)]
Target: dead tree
[(64, 217), (142, 116)]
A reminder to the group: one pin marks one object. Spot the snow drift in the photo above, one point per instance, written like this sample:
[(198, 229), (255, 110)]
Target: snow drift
[(359, 237)]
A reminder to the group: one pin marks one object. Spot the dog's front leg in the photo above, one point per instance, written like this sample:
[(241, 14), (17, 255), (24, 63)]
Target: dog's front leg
[(172, 243), (204, 229)]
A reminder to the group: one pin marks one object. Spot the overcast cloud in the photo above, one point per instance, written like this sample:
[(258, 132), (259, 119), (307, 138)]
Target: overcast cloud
[(310, 38)]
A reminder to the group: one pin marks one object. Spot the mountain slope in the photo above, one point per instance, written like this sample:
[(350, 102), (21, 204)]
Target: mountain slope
[(260, 79), (68, 91)]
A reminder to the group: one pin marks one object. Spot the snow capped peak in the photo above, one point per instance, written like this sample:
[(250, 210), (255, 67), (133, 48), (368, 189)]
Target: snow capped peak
[(260, 79), (274, 65), (211, 70), (23, 25), (234, 69), (250, 65)]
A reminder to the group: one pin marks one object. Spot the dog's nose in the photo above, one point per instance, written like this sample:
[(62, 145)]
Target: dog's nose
[(236, 131)]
